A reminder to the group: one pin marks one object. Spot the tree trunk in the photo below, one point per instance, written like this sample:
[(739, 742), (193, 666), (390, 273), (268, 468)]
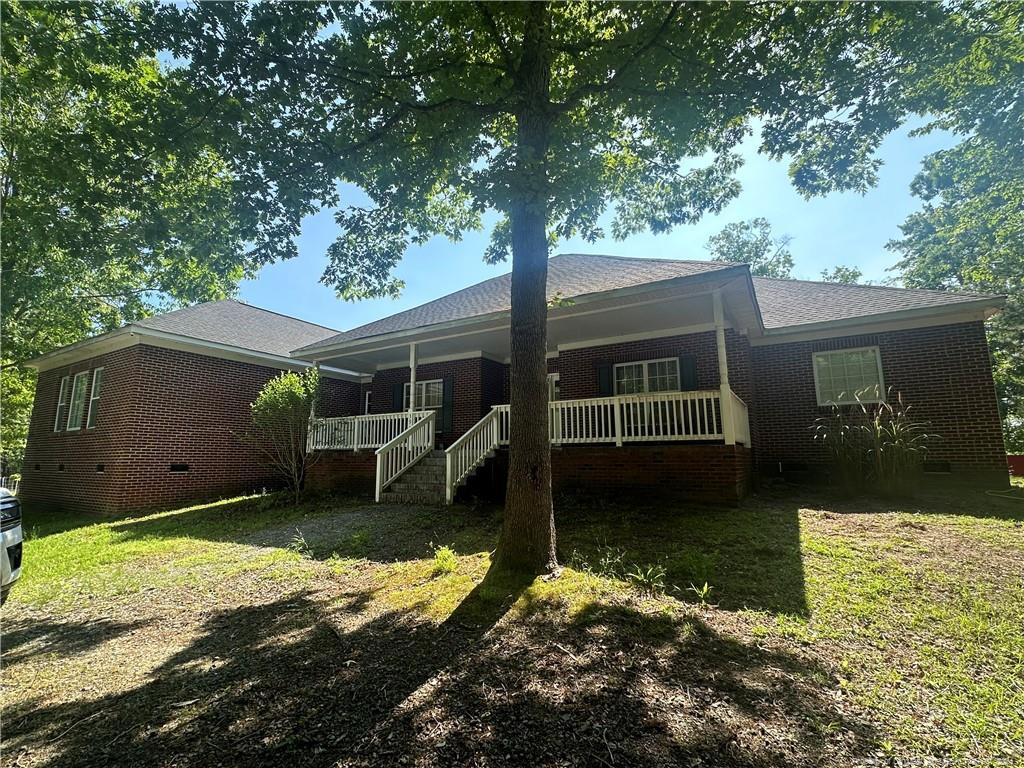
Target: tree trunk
[(527, 541)]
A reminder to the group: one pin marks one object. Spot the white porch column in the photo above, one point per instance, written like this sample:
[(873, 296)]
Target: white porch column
[(724, 391), (412, 377)]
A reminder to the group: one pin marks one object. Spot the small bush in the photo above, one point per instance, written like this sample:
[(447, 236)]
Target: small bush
[(445, 561), (874, 446)]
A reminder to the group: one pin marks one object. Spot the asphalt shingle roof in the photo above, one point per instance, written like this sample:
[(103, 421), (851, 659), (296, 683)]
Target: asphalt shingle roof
[(569, 274), (783, 303), (787, 303), (239, 325)]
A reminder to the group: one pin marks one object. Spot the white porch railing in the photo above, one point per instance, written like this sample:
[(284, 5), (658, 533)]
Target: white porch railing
[(404, 450), (742, 419), (354, 433), (657, 417)]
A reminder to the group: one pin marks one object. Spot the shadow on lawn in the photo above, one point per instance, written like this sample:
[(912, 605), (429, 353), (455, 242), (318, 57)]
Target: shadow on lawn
[(323, 526), (750, 556), (25, 638), (298, 681)]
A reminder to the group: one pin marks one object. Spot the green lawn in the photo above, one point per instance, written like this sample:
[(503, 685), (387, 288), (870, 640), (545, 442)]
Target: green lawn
[(793, 631)]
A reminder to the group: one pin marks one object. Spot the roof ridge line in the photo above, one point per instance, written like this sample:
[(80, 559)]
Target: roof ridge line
[(272, 312)]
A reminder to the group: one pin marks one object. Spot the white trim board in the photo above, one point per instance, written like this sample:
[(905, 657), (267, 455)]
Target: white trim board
[(664, 333), (132, 335)]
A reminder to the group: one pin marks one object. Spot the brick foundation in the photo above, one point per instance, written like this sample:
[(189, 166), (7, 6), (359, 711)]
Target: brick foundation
[(708, 473), (343, 471)]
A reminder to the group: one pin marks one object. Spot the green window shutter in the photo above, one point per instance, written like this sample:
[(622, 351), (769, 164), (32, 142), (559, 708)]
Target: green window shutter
[(687, 373), (397, 396), (605, 384), (447, 404)]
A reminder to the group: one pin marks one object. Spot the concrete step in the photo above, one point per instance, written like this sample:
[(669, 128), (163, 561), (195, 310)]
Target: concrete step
[(411, 486), (427, 499)]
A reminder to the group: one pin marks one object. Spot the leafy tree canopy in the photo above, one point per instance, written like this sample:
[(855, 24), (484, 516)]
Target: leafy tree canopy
[(842, 274), (751, 242), (115, 199), (418, 104), (969, 233)]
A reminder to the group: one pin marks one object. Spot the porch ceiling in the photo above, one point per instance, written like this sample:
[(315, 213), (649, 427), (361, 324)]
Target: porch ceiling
[(676, 308)]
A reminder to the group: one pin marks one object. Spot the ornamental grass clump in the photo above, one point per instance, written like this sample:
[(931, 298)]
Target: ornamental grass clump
[(874, 447)]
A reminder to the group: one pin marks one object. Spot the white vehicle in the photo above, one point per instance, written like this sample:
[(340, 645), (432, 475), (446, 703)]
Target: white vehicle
[(10, 551)]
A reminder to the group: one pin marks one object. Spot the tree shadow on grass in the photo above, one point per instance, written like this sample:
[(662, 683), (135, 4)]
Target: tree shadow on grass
[(750, 557), (24, 638), (324, 526), (306, 681)]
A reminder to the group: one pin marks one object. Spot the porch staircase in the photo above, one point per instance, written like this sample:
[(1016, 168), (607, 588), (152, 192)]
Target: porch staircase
[(422, 483)]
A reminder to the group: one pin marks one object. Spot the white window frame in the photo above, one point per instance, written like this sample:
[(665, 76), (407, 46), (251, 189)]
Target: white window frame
[(62, 402), (646, 379), (97, 373), (81, 376), (423, 385), (366, 401), (849, 400)]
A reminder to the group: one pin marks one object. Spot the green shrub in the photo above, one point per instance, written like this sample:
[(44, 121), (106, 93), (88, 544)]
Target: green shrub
[(874, 446), (445, 561), (280, 425)]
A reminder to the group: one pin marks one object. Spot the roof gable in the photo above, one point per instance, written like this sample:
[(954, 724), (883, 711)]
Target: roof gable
[(571, 275), (236, 324)]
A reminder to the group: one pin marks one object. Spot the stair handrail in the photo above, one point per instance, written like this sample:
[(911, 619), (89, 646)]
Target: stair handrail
[(403, 450), (468, 452)]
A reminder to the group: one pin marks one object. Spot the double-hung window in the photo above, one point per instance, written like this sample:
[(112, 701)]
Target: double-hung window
[(77, 409), (647, 376), (429, 395), (844, 376), (94, 396), (62, 405)]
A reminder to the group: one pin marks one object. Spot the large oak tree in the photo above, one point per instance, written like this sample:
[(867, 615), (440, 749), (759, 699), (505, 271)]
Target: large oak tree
[(114, 198), (549, 114)]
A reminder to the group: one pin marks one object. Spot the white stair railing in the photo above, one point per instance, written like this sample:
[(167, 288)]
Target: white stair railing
[(472, 449), (404, 450)]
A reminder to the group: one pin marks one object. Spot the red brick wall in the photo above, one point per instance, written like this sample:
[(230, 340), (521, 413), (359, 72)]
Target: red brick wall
[(344, 470), (468, 378), (577, 368), (712, 473), (60, 468), (944, 372), (158, 407)]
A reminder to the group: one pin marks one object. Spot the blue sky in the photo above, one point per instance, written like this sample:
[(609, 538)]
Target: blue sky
[(846, 228)]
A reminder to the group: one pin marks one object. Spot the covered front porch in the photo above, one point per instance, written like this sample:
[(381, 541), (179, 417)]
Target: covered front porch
[(664, 382), (400, 439)]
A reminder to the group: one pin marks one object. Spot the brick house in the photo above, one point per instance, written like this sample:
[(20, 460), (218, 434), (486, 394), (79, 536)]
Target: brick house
[(688, 377), (148, 415)]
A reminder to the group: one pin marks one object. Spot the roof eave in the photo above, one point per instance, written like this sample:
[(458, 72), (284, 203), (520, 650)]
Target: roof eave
[(987, 305), (105, 342)]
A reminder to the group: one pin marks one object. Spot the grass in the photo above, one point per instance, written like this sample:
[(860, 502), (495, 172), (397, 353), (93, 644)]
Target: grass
[(793, 631)]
